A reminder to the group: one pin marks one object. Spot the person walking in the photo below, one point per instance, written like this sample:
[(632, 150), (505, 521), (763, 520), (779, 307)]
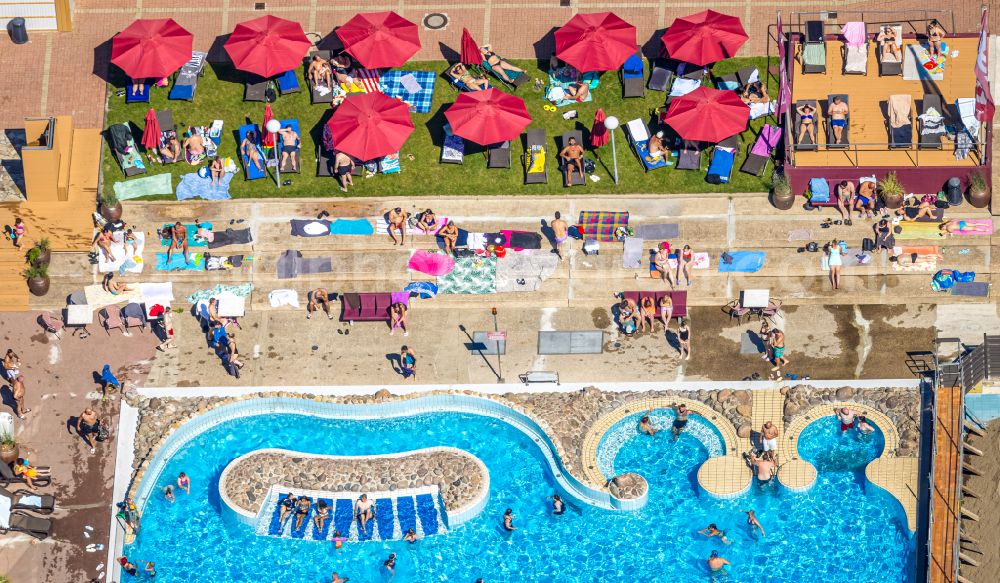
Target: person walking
[(684, 339), (408, 362), (88, 425), (835, 261), (560, 232), (778, 350), (17, 388)]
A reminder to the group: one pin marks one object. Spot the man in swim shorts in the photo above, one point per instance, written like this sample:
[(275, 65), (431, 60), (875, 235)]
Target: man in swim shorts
[(838, 118), (682, 419), (289, 145), (846, 417), (397, 222), (769, 437), (364, 510), (343, 166), (712, 531), (646, 425), (560, 232), (318, 299), (716, 563), (778, 349)]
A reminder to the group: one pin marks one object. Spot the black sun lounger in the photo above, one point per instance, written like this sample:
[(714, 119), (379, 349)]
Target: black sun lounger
[(845, 136), (255, 89), (900, 122), (18, 501), (575, 178), (325, 160), (807, 142), (932, 127), (689, 155), (498, 155), (40, 528), (536, 157), (661, 77), (814, 49), (314, 96), (892, 66), (7, 476), (123, 146)]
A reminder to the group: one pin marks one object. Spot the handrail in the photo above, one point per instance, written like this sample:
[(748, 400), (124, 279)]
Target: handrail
[(857, 149), (893, 16)]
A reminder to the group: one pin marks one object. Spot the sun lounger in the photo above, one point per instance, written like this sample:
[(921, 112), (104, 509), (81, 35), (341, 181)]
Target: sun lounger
[(889, 65), (255, 88), (142, 96), (900, 123), (931, 122), (535, 157), (27, 500), (688, 155), (661, 77), (459, 84), (288, 82), (186, 80), (720, 169), (7, 476), (287, 168), (845, 136), (575, 178), (18, 521), (741, 78), (498, 155), (314, 95), (814, 48), (165, 119), (967, 135), (633, 74), (452, 148), (638, 136), (760, 153), (855, 48), (807, 142), (122, 143), (686, 80), (251, 170), (516, 79)]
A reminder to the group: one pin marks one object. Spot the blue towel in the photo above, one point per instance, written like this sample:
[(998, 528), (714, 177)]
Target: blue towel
[(192, 230), (743, 262), (426, 289), (196, 261), (288, 82), (351, 227), (252, 172), (140, 97), (193, 186), (108, 378), (721, 166)]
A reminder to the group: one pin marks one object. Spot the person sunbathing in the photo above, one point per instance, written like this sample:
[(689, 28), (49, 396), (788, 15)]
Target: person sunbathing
[(216, 170), (137, 86), (572, 155), (754, 92), (427, 221), (322, 515), (397, 222), (194, 148), (449, 233), (925, 208), (341, 66), (890, 48), (838, 118), (460, 73), (666, 310), (249, 149), (661, 262), (103, 241), (170, 148), (864, 203), (114, 287), (287, 507), (302, 510), (320, 72), (289, 145), (957, 225), (578, 91), (807, 125), (654, 145), (499, 66), (935, 38)]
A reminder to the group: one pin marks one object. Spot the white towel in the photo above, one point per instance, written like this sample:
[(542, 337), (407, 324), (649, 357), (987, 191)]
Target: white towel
[(283, 297), (4, 512), (133, 263), (35, 501)]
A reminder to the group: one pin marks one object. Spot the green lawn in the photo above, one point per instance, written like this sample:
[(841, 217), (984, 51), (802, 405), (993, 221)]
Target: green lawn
[(424, 175)]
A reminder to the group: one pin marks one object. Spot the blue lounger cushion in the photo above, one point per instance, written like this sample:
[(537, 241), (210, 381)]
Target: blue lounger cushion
[(721, 167), (288, 82), (252, 172), (141, 97)]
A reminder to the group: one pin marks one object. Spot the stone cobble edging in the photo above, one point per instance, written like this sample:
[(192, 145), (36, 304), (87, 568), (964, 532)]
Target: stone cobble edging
[(459, 476)]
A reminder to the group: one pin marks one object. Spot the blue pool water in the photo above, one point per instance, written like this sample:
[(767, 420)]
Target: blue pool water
[(838, 531)]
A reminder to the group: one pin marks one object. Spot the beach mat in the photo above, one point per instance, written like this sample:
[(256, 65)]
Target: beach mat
[(192, 231), (146, 186), (800, 235), (658, 232), (316, 265), (973, 288), (518, 240), (471, 275), (351, 227), (196, 262), (194, 186), (743, 262), (919, 230), (912, 212), (634, 247), (230, 237), (750, 343), (524, 271), (291, 264), (310, 227)]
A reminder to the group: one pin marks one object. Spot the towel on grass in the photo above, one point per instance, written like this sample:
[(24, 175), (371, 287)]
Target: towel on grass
[(132, 263), (146, 186), (310, 227), (632, 259), (657, 232), (230, 237), (193, 239), (431, 263), (196, 261), (743, 262), (194, 186), (351, 227)]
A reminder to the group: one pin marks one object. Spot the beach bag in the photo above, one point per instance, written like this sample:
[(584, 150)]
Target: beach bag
[(867, 244), (269, 94), (964, 276), (102, 430), (628, 326), (943, 280), (589, 166), (819, 189), (812, 246)]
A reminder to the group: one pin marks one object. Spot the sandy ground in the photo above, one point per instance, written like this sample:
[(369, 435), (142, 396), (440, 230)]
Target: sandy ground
[(59, 378), (987, 491)]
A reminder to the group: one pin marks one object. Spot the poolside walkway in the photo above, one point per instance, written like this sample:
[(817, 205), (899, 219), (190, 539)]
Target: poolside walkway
[(945, 503)]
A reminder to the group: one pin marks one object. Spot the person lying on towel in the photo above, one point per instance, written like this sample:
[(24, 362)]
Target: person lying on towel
[(320, 72), (499, 66), (194, 148), (460, 73), (289, 145), (654, 146)]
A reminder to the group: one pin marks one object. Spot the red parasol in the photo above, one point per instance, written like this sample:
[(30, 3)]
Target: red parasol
[(599, 41), (704, 38), (380, 40), (267, 46), (267, 139), (707, 115), (151, 48), (370, 125), (151, 135), (598, 133), (470, 50), (488, 117)]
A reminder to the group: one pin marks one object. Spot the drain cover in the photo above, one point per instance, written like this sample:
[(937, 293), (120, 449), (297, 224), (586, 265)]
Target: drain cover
[(435, 20)]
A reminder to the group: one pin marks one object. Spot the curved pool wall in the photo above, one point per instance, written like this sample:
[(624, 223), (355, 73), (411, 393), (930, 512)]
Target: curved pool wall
[(625, 429), (564, 480), (233, 513)]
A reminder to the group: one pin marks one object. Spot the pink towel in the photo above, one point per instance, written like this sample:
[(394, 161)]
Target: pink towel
[(436, 264), (979, 222), (854, 33)]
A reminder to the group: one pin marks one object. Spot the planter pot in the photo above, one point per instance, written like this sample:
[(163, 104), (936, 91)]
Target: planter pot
[(44, 258), (979, 198), (111, 214), (893, 202), (782, 201), (9, 455), (38, 286)]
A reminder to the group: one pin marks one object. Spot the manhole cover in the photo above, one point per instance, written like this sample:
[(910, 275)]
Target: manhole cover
[(435, 21)]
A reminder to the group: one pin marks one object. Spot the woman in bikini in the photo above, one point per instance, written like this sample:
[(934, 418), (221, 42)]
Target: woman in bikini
[(499, 66), (807, 125), (666, 310), (427, 222), (397, 317), (17, 232), (647, 313), (322, 515), (935, 38), (217, 169), (234, 353), (170, 150), (131, 241), (114, 287), (12, 364), (249, 149), (302, 510), (685, 263), (926, 208), (661, 262), (460, 73)]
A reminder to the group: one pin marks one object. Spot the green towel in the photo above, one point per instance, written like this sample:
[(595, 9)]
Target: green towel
[(471, 275), (920, 230), (146, 186)]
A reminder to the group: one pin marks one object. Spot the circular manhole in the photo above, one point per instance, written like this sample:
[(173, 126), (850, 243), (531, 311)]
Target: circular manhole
[(435, 20)]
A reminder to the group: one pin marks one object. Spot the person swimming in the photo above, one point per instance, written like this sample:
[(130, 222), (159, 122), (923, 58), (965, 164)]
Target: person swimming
[(558, 506), (410, 536), (508, 520), (752, 522), (712, 531), (864, 427), (646, 425)]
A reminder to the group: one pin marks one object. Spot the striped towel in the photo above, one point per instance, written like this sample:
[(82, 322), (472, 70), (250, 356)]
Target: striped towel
[(368, 79)]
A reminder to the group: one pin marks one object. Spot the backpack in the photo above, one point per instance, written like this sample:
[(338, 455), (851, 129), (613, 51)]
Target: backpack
[(270, 95)]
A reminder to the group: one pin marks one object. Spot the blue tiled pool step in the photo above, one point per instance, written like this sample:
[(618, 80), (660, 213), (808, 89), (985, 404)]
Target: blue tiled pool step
[(395, 513)]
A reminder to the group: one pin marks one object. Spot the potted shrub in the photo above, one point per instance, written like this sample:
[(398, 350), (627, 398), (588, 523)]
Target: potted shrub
[(41, 253), (8, 448), (892, 191), (38, 279), (111, 207), (782, 196), (979, 193)]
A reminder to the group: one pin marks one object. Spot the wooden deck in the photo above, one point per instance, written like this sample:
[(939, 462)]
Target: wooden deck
[(945, 503), (868, 96)]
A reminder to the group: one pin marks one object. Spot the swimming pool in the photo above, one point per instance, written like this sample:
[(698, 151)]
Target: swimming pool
[(855, 525)]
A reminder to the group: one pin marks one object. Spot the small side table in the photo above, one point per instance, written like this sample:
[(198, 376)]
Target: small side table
[(79, 316)]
